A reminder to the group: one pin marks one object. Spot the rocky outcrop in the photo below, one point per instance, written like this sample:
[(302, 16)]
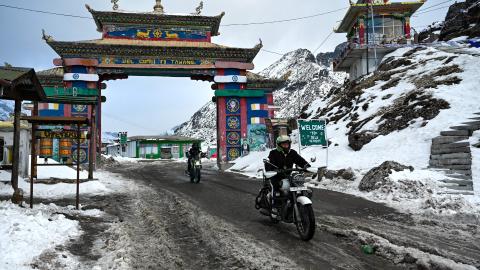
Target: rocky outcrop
[(431, 33), (378, 176), (326, 59), (451, 152), (400, 111), (463, 19)]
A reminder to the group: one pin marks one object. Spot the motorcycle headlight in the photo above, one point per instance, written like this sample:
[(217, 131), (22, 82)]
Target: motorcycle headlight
[(299, 179)]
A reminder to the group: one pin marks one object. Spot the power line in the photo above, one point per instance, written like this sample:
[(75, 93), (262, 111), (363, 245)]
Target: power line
[(226, 25), (416, 15), (429, 7), (273, 52), (323, 42), (285, 20), (45, 12), (127, 122)]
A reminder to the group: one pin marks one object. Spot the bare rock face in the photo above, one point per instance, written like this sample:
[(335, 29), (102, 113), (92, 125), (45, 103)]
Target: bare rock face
[(463, 19), (357, 140), (346, 174), (377, 177), (17, 197)]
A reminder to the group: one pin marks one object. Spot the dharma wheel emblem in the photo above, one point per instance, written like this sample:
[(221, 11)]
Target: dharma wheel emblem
[(76, 76), (235, 78)]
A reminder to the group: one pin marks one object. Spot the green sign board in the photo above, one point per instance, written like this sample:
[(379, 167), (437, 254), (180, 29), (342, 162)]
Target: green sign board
[(70, 92), (313, 132), (123, 138)]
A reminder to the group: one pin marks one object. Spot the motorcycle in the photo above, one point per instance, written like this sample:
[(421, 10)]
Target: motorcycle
[(293, 201), (196, 168)]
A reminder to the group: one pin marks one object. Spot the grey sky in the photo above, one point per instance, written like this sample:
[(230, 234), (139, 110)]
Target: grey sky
[(148, 105)]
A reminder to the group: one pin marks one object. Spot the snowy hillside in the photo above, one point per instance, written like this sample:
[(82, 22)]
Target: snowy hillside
[(6, 109), (393, 114), (303, 76), (109, 137), (202, 125)]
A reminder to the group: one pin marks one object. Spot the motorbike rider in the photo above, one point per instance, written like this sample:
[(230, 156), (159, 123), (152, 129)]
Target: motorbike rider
[(283, 158), (191, 154)]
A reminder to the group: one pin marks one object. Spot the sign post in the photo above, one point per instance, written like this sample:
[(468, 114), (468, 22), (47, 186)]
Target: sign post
[(312, 132), (123, 142)]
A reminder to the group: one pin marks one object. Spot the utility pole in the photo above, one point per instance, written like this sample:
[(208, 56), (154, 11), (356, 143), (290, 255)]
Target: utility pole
[(373, 34)]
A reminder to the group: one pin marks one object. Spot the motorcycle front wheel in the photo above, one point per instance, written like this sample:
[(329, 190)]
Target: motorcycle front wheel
[(305, 222), (197, 175)]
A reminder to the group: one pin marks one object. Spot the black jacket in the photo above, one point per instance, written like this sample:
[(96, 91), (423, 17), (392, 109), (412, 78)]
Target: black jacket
[(284, 161), (194, 151)]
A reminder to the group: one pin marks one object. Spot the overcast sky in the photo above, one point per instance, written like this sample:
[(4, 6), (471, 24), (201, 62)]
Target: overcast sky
[(149, 105)]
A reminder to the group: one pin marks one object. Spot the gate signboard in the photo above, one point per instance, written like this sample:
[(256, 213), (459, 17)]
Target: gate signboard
[(313, 132)]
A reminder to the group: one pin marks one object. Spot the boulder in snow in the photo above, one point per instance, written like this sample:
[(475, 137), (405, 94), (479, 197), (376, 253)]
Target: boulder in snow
[(377, 177)]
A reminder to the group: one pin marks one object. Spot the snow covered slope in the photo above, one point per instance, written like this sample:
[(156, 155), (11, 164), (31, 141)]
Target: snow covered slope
[(393, 114), (303, 76), (202, 125), (6, 108)]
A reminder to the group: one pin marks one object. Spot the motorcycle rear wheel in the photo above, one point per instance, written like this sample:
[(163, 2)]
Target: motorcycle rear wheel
[(305, 222)]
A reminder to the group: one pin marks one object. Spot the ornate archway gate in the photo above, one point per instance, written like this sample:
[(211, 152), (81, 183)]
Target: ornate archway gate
[(159, 44)]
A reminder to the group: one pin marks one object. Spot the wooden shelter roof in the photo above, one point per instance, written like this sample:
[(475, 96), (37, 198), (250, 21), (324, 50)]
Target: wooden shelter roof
[(102, 18), (357, 10), (20, 83)]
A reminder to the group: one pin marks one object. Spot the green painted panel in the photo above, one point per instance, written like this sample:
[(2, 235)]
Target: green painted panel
[(239, 93), (70, 92)]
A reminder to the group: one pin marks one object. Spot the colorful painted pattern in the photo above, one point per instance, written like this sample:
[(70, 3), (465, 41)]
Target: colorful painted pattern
[(83, 155), (157, 34), (233, 153), (233, 122), (233, 105), (152, 61), (233, 138)]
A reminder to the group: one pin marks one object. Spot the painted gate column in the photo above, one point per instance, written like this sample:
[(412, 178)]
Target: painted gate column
[(230, 130), (241, 112), (81, 73)]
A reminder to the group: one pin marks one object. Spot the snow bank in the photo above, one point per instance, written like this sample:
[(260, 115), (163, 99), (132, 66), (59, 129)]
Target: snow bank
[(26, 233), (409, 146)]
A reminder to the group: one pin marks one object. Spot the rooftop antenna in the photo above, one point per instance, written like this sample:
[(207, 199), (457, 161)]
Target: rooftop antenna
[(158, 8), (115, 5)]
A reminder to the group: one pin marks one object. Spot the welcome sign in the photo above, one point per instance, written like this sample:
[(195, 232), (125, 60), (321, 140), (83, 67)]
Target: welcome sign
[(313, 132)]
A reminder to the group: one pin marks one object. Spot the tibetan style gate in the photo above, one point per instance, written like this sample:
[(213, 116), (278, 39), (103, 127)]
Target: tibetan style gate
[(159, 44)]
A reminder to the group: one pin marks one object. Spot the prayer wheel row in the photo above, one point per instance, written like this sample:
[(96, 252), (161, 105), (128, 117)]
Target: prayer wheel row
[(46, 148)]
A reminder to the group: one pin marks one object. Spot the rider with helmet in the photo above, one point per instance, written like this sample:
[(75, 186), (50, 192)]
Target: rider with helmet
[(192, 153), (283, 157)]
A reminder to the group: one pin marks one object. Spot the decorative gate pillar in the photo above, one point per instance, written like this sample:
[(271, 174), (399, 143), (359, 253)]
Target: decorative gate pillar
[(241, 112), (81, 76)]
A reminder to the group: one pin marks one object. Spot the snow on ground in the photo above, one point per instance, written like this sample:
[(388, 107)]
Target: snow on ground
[(25, 233), (61, 172), (410, 146)]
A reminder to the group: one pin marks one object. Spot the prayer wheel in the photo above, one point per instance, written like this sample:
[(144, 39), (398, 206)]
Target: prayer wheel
[(46, 148), (65, 148)]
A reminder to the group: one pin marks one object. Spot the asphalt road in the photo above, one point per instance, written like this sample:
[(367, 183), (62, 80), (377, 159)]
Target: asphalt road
[(229, 198)]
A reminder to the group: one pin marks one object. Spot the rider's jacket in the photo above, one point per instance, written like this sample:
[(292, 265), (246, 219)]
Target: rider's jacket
[(284, 160), (193, 152)]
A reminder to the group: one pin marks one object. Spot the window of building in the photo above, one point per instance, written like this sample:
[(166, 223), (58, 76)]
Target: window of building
[(387, 30)]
